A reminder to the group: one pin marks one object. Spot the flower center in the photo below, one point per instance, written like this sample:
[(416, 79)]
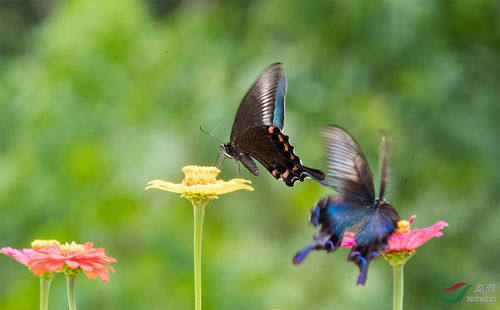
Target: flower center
[(71, 248), (198, 175), (42, 243), (403, 226)]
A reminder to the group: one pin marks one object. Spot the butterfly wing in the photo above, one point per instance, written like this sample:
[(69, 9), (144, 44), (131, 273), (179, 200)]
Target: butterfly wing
[(385, 154), (347, 166), (264, 103), (372, 237), (273, 150), (336, 214)]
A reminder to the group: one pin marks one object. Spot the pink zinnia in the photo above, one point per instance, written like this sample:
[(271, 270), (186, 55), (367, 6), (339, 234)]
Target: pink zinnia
[(73, 256), (404, 239), (403, 242)]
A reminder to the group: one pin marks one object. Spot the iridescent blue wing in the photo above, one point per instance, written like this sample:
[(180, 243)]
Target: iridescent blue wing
[(348, 170), (374, 230), (336, 214), (264, 103)]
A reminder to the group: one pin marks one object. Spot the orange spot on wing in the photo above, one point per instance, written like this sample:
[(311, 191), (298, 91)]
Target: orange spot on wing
[(280, 137), (276, 174), (271, 129), (286, 174), (291, 156), (295, 168), (286, 147)]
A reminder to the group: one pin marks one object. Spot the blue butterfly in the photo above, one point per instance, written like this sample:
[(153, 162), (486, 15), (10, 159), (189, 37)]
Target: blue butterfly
[(357, 208)]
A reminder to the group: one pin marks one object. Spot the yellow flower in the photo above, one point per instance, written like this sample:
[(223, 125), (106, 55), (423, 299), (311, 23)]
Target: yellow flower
[(41, 243), (200, 185)]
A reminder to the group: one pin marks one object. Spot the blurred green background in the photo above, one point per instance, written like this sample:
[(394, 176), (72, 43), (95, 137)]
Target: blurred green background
[(99, 97)]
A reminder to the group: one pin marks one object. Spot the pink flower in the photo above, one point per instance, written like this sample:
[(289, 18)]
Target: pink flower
[(23, 256), (404, 239), (70, 257), (348, 239)]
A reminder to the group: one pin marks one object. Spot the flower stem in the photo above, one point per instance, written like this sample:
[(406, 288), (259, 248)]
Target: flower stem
[(398, 276), (199, 213), (44, 292), (70, 284)]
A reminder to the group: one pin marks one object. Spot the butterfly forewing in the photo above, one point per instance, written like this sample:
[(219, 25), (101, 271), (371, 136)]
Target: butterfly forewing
[(264, 103), (348, 169), (385, 153)]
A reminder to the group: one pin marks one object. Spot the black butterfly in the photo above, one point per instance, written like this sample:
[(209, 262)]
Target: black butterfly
[(356, 207), (257, 131)]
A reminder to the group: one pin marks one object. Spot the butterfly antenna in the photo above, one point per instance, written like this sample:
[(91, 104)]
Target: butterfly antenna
[(397, 187), (385, 154), (211, 135)]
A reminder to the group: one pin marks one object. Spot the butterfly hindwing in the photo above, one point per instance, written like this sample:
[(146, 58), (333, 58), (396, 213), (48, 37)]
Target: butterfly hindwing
[(348, 169), (264, 103), (272, 149), (372, 236), (336, 214)]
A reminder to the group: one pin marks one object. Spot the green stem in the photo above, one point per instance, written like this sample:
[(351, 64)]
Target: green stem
[(70, 284), (199, 213), (44, 292), (398, 276)]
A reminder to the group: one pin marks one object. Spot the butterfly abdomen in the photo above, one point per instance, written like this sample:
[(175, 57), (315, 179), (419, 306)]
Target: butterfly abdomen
[(248, 162)]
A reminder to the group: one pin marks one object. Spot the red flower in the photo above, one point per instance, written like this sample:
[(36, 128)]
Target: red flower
[(67, 257)]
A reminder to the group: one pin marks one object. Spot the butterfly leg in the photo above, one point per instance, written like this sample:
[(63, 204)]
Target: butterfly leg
[(218, 160), (316, 245), (362, 263), (237, 169)]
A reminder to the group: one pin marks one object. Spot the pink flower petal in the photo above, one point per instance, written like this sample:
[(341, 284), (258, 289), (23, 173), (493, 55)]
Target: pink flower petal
[(72, 264), (92, 261), (404, 241), (22, 256)]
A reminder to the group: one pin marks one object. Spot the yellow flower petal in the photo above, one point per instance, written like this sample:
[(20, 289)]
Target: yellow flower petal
[(200, 184), (41, 243), (166, 186)]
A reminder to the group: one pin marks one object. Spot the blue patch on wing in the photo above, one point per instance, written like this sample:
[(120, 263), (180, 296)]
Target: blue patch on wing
[(343, 216), (279, 103), (376, 228)]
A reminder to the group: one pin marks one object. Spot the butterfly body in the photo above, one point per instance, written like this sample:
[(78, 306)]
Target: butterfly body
[(231, 151), (257, 131), (356, 208)]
